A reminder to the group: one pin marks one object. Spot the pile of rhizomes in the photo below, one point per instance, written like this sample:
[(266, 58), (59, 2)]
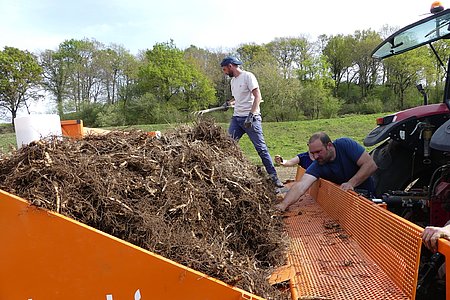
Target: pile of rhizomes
[(190, 196)]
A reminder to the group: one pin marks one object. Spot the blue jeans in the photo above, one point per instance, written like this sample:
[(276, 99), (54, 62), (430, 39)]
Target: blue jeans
[(255, 133)]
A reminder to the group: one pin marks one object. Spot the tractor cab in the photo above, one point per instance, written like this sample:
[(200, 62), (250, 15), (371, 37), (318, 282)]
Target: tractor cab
[(413, 145)]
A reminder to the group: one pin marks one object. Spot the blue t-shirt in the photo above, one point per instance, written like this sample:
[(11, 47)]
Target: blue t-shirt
[(344, 166), (305, 160)]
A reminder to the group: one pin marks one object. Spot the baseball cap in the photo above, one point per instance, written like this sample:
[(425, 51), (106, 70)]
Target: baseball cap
[(230, 60)]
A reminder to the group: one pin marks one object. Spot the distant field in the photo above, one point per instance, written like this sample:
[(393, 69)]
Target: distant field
[(7, 138), (284, 138)]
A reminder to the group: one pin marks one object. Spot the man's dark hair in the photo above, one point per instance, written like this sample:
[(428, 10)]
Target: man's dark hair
[(324, 138)]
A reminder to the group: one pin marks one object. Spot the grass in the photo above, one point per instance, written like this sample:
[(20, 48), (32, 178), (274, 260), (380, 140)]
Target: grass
[(284, 138), (290, 138)]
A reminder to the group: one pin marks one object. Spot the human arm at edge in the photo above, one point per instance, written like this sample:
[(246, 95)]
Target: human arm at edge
[(367, 167), (296, 191), (287, 163), (432, 234), (257, 94)]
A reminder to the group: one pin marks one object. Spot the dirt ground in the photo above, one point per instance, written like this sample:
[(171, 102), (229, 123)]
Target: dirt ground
[(286, 173)]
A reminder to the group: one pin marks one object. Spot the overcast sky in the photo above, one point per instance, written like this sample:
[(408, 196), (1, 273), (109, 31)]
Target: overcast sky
[(139, 24)]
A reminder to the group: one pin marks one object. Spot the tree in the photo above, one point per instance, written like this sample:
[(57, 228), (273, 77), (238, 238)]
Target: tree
[(316, 93), (280, 95), (313, 96), (291, 54), (20, 75), (117, 72), (56, 71), (172, 80), (208, 62), (85, 71), (339, 56), (434, 71), (366, 41), (405, 71), (253, 55), (83, 67)]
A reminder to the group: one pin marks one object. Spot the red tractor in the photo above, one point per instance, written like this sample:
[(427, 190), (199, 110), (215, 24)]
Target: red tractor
[(413, 155)]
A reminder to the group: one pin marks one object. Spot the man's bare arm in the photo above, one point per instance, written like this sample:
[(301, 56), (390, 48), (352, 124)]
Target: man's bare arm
[(287, 163), (367, 167), (297, 190), (257, 94)]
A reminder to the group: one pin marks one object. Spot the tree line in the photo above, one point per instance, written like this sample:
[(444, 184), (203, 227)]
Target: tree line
[(299, 79)]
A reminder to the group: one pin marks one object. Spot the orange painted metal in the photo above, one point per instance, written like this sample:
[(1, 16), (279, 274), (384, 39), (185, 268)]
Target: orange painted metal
[(44, 255), (72, 128), (375, 256), (329, 263), (444, 248), (299, 174), (378, 259)]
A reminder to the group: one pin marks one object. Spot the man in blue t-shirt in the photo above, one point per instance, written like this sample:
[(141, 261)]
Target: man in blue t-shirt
[(344, 162)]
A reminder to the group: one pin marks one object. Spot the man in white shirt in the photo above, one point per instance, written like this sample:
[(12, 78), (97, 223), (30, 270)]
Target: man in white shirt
[(247, 117)]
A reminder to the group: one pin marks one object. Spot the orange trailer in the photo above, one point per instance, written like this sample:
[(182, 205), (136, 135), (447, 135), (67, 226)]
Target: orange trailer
[(45, 255)]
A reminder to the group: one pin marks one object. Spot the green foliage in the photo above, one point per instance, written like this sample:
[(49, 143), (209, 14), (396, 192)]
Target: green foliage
[(317, 100), (142, 110), (299, 79), (367, 68), (88, 113), (404, 72), (170, 78), (148, 110), (339, 58), (208, 63), (293, 56), (281, 96), (330, 107), (111, 115), (85, 71), (370, 105), (56, 71), (253, 55), (20, 75)]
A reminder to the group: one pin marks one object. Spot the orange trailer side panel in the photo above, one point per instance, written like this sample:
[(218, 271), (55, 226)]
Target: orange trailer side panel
[(72, 128), (45, 256), (444, 248)]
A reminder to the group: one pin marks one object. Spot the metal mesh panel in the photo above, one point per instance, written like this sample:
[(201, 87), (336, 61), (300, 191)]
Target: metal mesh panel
[(346, 247), (391, 241)]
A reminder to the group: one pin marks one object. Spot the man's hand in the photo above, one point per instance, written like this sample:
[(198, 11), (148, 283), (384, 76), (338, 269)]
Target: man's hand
[(347, 186), (279, 160), (225, 105), (249, 120), (431, 234)]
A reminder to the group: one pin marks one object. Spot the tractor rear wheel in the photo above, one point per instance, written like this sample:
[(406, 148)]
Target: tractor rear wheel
[(398, 167)]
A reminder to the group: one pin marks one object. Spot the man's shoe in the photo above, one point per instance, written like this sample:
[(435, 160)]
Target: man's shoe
[(276, 181)]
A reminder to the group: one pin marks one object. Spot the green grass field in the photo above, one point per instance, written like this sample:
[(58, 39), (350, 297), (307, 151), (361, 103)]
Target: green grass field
[(289, 138), (283, 138)]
